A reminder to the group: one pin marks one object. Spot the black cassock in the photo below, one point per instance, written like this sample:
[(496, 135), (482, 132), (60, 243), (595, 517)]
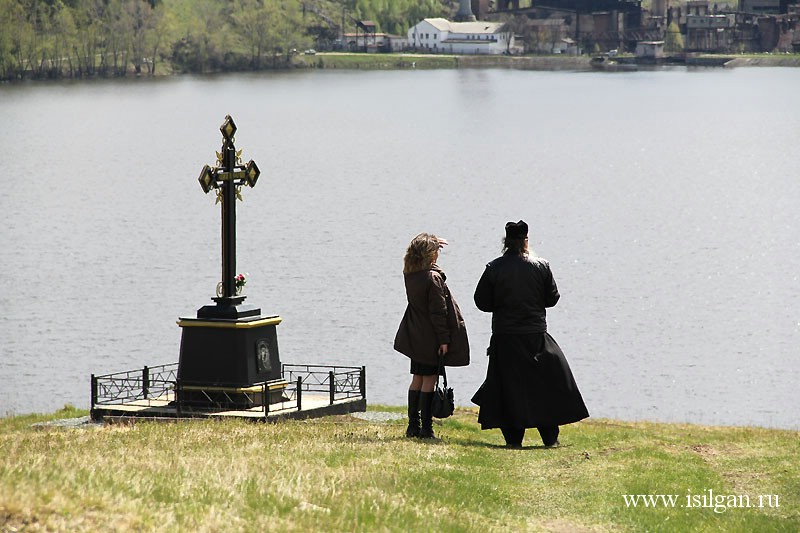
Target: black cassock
[(528, 384)]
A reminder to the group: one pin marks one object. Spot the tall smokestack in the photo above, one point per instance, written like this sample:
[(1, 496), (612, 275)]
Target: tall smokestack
[(465, 12)]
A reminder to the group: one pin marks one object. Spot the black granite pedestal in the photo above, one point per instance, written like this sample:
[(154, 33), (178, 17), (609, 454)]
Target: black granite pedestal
[(226, 350)]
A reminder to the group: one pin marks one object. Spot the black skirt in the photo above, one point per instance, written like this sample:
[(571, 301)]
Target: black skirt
[(528, 384), (425, 370)]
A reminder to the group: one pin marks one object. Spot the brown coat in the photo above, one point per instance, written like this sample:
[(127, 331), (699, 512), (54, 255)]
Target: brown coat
[(432, 318)]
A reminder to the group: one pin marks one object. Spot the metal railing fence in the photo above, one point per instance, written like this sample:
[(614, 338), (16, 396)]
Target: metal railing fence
[(159, 386)]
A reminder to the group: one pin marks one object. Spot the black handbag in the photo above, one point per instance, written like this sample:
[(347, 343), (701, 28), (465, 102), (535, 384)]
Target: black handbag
[(442, 404)]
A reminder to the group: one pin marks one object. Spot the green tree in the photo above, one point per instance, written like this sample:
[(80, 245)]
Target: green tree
[(23, 38), (157, 36), (202, 26), (143, 22), (63, 36), (10, 14), (87, 46), (254, 22), (5, 41), (289, 34), (117, 34)]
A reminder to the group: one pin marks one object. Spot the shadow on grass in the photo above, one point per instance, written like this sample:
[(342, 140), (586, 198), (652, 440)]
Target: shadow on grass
[(493, 446)]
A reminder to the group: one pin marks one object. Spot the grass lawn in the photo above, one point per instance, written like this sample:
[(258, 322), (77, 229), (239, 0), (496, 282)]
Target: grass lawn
[(346, 474), (343, 60)]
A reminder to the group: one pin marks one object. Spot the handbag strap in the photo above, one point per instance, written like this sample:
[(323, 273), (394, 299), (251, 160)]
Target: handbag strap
[(441, 371)]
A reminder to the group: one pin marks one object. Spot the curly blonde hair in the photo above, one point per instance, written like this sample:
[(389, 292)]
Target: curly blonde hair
[(421, 253)]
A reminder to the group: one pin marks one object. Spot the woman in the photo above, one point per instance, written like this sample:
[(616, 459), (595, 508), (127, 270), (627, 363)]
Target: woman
[(528, 382), (432, 328)]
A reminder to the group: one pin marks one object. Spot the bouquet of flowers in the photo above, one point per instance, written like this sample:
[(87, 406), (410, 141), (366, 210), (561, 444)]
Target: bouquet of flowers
[(241, 281)]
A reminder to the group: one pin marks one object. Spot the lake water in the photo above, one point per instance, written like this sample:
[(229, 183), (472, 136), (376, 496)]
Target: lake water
[(666, 202)]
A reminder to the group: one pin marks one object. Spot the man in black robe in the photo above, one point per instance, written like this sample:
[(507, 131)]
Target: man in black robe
[(528, 381)]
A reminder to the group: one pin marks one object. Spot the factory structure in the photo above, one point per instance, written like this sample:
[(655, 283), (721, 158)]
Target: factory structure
[(577, 27)]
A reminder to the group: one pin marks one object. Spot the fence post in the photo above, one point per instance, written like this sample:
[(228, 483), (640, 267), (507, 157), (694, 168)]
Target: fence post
[(94, 391), (145, 382), (93, 398), (332, 381), (178, 398), (363, 382), (266, 395), (299, 394)]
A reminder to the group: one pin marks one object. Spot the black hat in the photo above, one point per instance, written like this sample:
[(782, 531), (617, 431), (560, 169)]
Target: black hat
[(516, 230)]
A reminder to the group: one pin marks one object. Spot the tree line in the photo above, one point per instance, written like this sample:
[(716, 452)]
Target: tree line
[(51, 39)]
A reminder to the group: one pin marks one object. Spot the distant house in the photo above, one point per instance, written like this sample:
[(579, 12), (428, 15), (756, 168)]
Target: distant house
[(442, 36), (650, 49), (375, 42)]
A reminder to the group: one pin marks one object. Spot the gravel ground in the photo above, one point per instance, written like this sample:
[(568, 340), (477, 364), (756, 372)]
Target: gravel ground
[(81, 422), (378, 416)]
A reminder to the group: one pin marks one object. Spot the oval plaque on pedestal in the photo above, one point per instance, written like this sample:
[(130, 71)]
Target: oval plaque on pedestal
[(263, 356)]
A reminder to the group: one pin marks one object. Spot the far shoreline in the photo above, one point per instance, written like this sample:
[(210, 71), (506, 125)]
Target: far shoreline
[(411, 61), (403, 61)]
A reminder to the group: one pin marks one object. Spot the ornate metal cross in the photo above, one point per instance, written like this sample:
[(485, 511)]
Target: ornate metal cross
[(228, 177)]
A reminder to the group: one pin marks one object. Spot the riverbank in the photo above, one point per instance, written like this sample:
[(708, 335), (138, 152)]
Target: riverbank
[(360, 61), (350, 473), (337, 60)]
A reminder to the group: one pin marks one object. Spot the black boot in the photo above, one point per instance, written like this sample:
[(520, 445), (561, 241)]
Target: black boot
[(413, 414), (549, 436), (513, 437), (426, 431)]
